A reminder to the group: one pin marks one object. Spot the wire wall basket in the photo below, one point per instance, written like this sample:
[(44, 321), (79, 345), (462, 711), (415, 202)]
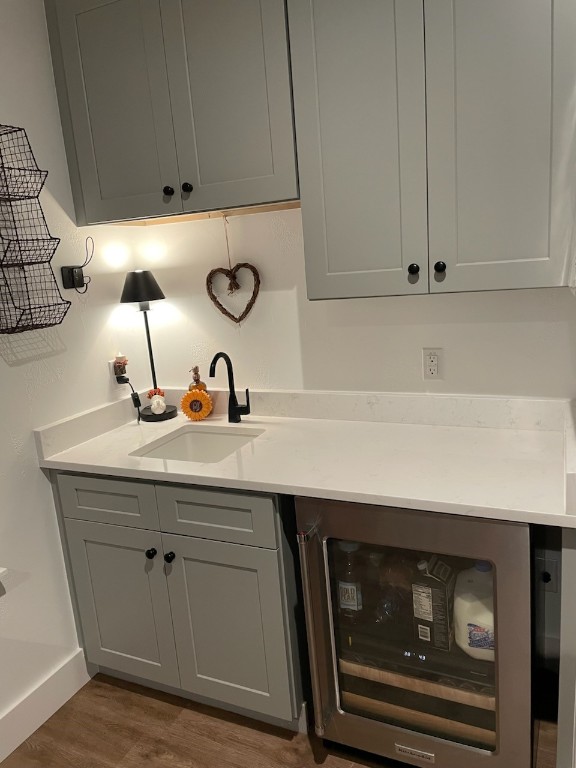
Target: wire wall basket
[(29, 294)]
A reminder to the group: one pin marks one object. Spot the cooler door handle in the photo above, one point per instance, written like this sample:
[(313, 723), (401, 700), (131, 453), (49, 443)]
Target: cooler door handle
[(303, 539)]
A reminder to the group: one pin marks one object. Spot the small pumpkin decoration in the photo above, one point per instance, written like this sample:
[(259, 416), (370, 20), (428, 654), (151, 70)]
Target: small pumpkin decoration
[(196, 404)]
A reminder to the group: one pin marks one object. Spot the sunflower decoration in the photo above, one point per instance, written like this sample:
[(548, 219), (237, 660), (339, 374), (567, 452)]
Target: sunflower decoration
[(196, 403)]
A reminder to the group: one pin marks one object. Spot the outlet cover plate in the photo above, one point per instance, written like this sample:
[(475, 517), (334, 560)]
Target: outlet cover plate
[(432, 364)]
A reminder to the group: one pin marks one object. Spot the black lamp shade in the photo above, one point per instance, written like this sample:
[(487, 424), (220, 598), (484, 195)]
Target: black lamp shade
[(140, 286)]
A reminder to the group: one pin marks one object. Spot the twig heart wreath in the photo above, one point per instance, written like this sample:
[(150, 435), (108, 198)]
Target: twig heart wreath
[(233, 285)]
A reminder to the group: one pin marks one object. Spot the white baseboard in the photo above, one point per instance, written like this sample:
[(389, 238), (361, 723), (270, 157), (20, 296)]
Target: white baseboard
[(25, 717)]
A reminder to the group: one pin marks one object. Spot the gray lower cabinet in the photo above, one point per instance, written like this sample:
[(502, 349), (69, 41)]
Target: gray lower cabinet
[(212, 618), (173, 105), (123, 599), (228, 623)]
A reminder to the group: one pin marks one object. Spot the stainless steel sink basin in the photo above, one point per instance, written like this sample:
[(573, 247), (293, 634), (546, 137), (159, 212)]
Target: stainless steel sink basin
[(201, 443)]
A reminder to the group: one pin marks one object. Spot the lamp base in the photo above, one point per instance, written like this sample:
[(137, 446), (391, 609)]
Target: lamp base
[(170, 413)]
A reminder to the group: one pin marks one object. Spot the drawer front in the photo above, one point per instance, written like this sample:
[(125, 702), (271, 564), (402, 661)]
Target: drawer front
[(101, 500), (221, 516)]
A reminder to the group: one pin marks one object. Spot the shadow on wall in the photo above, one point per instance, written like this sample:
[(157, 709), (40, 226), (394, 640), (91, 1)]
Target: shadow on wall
[(21, 348)]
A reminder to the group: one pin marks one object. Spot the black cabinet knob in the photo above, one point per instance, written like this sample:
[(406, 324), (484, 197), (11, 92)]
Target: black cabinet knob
[(413, 269), (440, 267), (151, 553), (187, 187), (168, 191), (169, 557)]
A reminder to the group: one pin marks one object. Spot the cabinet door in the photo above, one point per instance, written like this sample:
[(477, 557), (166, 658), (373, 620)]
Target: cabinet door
[(117, 91), (358, 71), (123, 600), (500, 78), (229, 624), (230, 86)]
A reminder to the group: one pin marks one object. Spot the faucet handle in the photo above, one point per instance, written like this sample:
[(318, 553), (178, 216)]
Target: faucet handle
[(244, 410)]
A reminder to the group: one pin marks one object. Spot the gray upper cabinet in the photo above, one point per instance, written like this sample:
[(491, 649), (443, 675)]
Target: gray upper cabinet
[(454, 155), (229, 624), (229, 79), (358, 71), (115, 104), (173, 105), (123, 599), (501, 78)]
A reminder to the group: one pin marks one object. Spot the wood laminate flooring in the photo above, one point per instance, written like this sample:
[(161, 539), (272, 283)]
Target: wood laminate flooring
[(113, 724)]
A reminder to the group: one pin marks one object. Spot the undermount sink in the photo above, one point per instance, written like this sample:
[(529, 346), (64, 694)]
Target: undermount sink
[(202, 443)]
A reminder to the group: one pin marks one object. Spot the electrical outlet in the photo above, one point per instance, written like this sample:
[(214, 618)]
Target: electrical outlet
[(113, 374), (432, 363)]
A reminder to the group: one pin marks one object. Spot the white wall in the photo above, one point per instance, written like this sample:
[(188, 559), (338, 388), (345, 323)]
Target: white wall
[(45, 375), (499, 343)]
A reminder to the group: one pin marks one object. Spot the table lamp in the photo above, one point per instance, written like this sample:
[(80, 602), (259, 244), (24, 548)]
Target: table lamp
[(140, 286)]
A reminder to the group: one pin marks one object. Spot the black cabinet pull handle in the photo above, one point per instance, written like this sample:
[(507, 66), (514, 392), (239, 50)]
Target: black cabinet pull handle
[(151, 553), (440, 267), (413, 269), (169, 557), (168, 191), (187, 187)]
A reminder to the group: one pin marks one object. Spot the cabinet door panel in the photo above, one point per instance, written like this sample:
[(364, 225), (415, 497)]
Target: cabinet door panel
[(229, 624), (235, 517), (358, 70), (500, 81), (123, 600), (100, 500), (230, 85), (117, 88)]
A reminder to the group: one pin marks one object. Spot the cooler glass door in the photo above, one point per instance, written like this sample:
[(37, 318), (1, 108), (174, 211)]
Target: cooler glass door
[(419, 633)]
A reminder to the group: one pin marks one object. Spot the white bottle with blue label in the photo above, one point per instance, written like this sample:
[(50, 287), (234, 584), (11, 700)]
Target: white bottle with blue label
[(474, 611)]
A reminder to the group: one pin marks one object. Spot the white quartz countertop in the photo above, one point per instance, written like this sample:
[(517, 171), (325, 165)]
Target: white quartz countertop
[(506, 474)]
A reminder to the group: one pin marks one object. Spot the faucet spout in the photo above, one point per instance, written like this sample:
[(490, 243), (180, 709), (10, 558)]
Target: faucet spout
[(235, 411)]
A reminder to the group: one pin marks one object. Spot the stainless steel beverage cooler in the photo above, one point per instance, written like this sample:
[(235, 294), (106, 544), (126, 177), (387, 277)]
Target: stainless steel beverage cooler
[(398, 667)]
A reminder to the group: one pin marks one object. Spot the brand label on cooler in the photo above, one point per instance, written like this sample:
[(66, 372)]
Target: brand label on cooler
[(350, 596), (422, 602), (426, 757), (480, 637)]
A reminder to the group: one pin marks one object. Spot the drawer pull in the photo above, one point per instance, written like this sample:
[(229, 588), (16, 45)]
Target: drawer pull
[(151, 553), (169, 557)]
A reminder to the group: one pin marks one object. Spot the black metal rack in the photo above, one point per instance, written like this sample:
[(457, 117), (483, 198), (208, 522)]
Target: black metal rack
[(29, 294)]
